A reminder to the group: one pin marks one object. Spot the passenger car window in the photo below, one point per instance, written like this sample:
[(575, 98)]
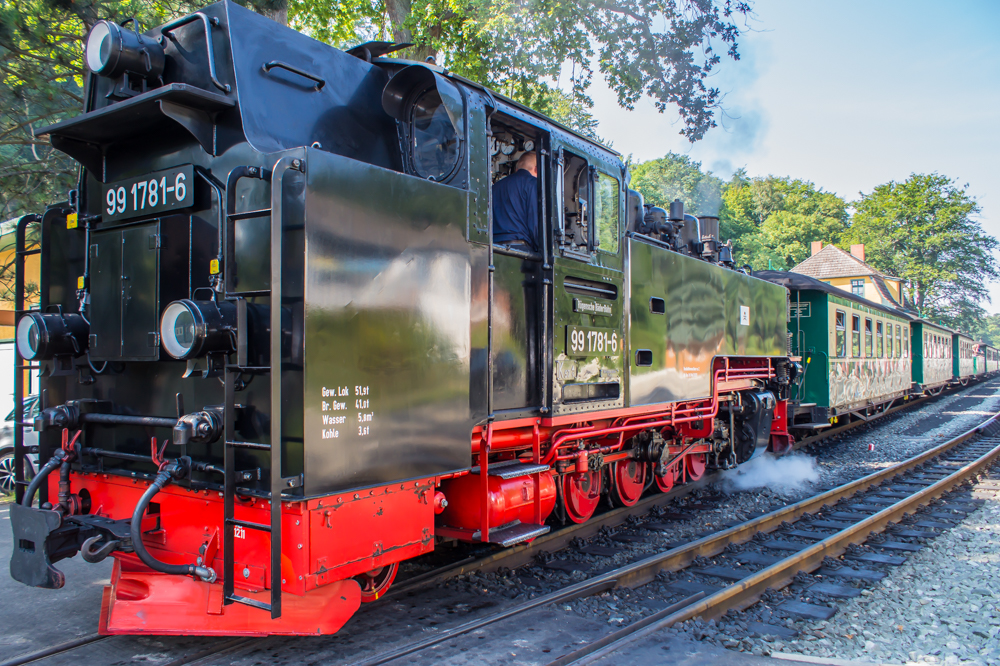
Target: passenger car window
[(868, 337), (607, 212), (436, 141), (888, 340), (879, 337), (855, 336), (841, 326)]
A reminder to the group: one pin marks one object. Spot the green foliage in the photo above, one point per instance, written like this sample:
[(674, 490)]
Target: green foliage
[(674, 176), (922, 230), (987, 328), (644, 48), (773, 221)]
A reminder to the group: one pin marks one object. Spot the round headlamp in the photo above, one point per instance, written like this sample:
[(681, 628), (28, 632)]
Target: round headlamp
[(42, 336), (113, 50), (189, 329)]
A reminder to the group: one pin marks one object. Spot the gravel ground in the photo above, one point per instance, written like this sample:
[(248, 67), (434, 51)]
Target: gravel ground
[(941, 607)]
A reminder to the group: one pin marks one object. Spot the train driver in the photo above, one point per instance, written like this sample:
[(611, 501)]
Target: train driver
[(515, 206)]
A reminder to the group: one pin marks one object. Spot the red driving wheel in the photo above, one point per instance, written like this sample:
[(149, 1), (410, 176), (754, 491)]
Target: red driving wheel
[(374, 583), (581, 494), (628, 478), (666, 483), (695, 464)]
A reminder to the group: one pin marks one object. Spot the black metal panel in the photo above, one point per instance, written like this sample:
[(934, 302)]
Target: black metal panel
[(387, 328), (710, 311), (344, 115), (515, 332), (140, 311), (106, 298)]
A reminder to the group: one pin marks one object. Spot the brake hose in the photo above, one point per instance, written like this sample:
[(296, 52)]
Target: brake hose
[(168, 472)]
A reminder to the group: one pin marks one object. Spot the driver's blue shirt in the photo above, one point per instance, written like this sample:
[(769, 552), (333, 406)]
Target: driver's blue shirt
[(515, 209)]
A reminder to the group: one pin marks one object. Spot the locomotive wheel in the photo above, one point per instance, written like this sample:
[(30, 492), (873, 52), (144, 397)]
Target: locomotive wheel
[(666, 483), (695, 465), (581, 495), (628, 478), (374, 583)]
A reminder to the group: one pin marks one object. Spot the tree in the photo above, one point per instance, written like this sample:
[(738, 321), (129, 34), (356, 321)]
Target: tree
[(657, 48), (923, 230), (41, 60), (674, 176), (987, 328), (773, 220)]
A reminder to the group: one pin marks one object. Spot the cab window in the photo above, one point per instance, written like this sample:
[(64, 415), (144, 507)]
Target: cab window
[(606, 212)]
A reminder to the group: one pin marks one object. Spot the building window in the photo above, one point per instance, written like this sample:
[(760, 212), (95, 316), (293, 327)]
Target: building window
[(868, 337), (858, 288), (841, 326), (855, 336)]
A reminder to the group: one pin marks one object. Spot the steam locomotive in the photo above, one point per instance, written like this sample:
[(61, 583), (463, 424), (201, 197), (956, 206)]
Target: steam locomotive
[(281, 353)]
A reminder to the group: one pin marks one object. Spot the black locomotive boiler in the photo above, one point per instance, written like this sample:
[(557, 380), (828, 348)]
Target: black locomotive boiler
[(281, 352)]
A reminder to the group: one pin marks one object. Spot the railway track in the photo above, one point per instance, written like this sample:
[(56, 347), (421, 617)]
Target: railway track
[(631, 575), (916, 482)]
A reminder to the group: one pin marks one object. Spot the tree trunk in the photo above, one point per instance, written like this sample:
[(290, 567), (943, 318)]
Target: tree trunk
[(399, 12)]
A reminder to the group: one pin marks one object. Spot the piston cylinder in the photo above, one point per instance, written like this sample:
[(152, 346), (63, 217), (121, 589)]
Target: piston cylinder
[(509, 500)]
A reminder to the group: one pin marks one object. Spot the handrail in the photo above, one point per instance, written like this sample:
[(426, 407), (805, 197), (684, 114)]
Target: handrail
[(277, 64), (19, 254), (207, 23)]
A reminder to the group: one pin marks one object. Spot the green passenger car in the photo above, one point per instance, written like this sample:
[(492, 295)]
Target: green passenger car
[(855, 354), (932, 355), (966, 361)]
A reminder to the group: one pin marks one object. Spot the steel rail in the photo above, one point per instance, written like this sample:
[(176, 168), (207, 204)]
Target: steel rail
[(780, 574), (645, 570)]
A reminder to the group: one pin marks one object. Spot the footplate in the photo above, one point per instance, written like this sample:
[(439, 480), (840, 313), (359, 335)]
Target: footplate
[(31, 560)]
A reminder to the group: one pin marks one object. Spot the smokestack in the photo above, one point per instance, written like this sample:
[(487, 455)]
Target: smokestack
[(816, 247), (858, 251)]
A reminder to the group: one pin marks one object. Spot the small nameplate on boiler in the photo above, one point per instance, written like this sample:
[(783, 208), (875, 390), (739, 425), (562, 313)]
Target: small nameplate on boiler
[(587, 306)]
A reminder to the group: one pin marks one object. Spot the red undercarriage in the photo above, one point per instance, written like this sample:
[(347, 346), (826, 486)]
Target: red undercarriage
[(327, 542)]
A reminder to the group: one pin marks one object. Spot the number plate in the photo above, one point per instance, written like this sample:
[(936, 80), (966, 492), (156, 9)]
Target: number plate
[(156, 192), (586, 341)]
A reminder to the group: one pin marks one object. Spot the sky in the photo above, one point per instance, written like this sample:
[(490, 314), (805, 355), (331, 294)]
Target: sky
[(848, 95)]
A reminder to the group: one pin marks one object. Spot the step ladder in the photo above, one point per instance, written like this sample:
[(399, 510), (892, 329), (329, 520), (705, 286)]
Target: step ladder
[(232, 370)]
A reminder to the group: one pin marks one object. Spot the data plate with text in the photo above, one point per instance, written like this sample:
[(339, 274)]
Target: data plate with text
[(156, 192), (588, 341)]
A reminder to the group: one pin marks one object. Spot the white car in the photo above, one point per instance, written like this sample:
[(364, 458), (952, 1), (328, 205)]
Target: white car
[(31, 406)]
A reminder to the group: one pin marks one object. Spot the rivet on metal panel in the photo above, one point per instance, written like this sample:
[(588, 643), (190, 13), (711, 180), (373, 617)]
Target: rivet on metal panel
[(246, 572), (357, 496), (300, 577), (371, 492), (296, 522), (300, 546), (283, 581)]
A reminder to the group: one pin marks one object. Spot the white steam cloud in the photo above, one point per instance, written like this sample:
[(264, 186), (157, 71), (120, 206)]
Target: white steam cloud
[(782, 475)]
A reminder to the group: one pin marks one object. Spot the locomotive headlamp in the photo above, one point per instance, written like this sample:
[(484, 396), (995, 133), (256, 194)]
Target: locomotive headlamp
[(42, 336), (190, 329), (113, 50)]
